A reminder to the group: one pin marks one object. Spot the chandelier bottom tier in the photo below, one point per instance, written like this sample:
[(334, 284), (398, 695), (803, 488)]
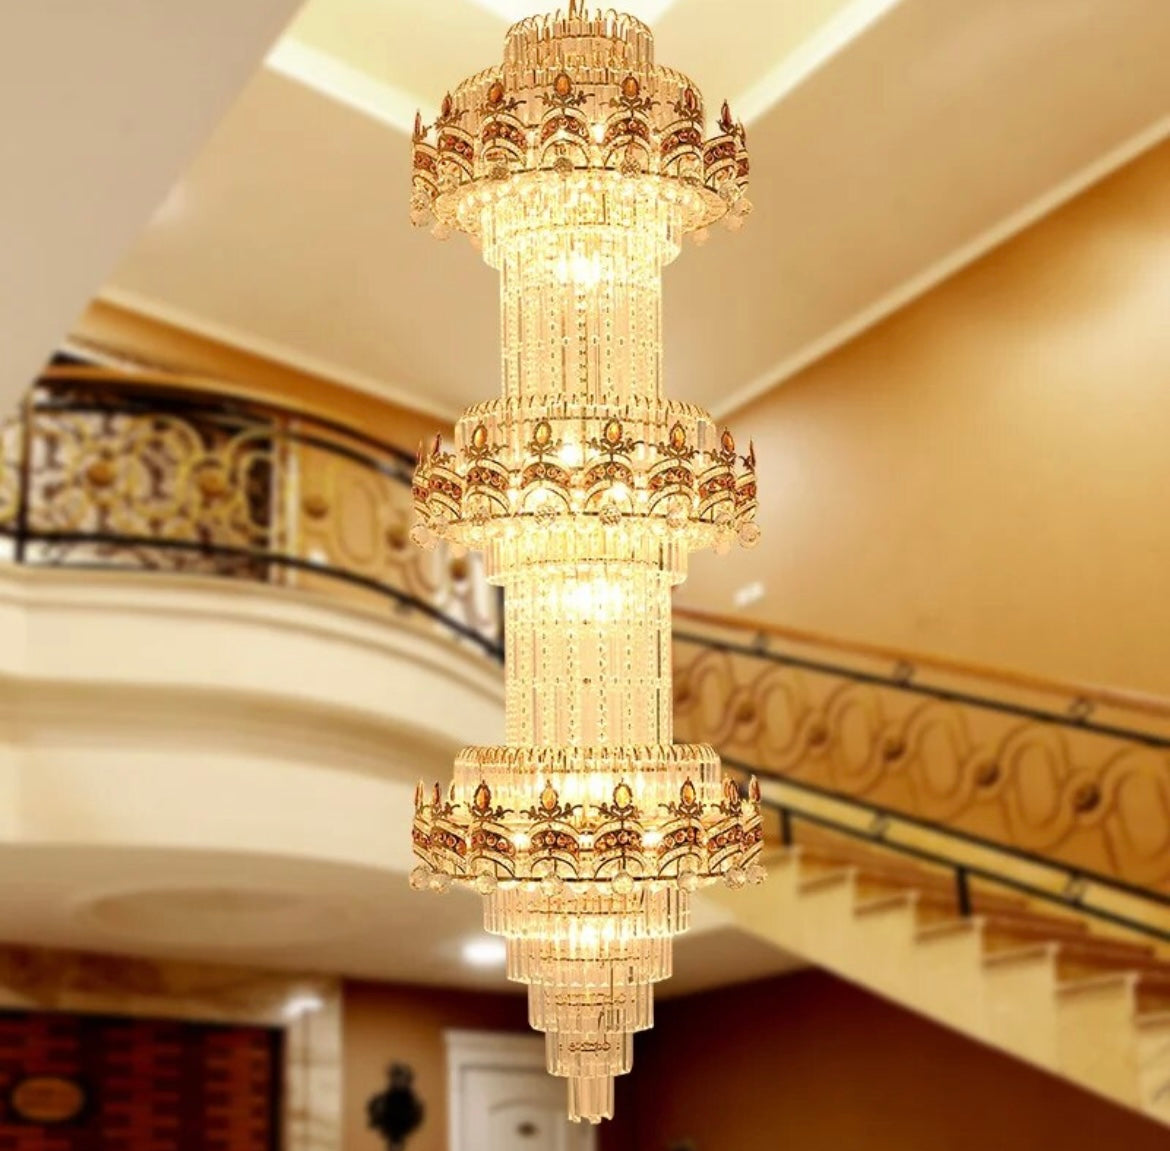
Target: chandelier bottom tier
[(577, 168), (589, 831)]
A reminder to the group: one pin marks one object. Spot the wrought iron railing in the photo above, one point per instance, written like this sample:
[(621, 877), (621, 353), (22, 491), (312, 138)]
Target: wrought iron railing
[(967, 859), (1059, 792), (101, 469)]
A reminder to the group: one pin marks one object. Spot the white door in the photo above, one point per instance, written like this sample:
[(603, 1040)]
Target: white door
[(520, 1110), (502, 1099)]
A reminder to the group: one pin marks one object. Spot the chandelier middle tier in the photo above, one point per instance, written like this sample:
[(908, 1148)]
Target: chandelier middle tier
[(578, 167)]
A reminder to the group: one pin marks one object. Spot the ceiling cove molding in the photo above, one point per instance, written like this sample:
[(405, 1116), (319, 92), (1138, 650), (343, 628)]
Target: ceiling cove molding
[(514, 10), (329, 75), (910, 290), (813, 53), (279, 353)]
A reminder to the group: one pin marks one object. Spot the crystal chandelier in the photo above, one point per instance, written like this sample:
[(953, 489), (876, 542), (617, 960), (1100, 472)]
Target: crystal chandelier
[(577, 168)]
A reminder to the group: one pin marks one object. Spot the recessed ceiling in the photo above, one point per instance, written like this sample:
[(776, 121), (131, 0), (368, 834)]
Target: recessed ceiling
[(751, 53), (891, 144), (297, 914)]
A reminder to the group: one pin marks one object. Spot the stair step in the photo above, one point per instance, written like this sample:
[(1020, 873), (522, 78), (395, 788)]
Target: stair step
[(946, 928), (1021, 929), (1070, 988), (1153, 993), (895, 900), (820, 880), (1089, 958), (888, 868), (939, 891), (1026, 953)]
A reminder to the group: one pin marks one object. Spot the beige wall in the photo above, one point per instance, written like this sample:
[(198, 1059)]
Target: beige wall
[(386, 1024), (987, 474), (808, 1063)]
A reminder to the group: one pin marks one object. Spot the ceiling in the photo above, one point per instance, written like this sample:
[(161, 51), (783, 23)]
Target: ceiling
[(299, 914), (892, 143), (104, 106)]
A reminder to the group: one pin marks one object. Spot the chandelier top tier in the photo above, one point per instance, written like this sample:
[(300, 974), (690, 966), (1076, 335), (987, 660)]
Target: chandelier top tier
[(579, 93), (578, 167)]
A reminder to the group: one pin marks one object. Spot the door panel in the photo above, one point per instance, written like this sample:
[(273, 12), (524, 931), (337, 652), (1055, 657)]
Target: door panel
[(521, 1110)]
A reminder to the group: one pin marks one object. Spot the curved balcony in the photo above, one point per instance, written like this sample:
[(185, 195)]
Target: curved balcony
[(224, 668)]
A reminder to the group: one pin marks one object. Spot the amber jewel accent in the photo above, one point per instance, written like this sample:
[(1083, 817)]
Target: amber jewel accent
[(578, 168)]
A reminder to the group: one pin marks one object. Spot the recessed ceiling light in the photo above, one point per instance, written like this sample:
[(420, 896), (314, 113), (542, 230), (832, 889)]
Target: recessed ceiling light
[(303, 1004), (749, 594), (487, 952)]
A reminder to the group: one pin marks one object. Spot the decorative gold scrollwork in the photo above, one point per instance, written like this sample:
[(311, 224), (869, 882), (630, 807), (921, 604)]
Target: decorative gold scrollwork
[(121, 473)]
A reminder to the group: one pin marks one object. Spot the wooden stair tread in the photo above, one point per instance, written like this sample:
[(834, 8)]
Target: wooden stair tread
[(1153, 992), (888, 901), (1009, 929), (945, 928), (1153, 1020), (821, 879), (936, 891)]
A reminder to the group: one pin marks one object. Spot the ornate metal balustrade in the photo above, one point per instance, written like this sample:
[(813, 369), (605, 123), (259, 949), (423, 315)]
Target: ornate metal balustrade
[(1076, 776), (108, 470)]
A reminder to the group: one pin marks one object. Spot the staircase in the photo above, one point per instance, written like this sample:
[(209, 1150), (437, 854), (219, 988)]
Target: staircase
[(1055, 951), (1044, 988)]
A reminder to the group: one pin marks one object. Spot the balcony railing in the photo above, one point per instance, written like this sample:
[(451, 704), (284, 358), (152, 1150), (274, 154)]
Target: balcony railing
[(1054, 790), (101, 469)]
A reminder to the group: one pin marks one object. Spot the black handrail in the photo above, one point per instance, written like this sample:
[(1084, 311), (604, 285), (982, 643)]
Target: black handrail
[(879, 811), (1073, 895)]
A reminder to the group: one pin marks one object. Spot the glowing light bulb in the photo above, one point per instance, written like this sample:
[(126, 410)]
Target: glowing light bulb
[(572, 454)]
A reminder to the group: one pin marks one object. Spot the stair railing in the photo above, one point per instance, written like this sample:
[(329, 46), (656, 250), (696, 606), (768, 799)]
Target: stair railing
[(1056, 787), (966, 858)]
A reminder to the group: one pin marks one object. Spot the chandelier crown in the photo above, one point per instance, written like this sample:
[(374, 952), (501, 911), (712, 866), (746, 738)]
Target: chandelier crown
[(577, 167)]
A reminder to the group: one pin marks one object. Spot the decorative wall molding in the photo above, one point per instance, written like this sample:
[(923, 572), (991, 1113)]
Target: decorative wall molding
[(105, 631), (415, 399)]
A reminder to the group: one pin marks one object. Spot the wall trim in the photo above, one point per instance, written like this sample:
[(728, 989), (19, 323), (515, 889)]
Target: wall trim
[(331, 76), (810, 56), (918, 285), (278, 353)]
